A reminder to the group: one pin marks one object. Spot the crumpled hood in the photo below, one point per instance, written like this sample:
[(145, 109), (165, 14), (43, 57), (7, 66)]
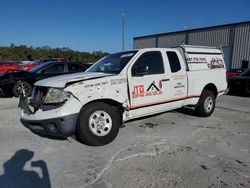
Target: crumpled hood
[(63, 80)]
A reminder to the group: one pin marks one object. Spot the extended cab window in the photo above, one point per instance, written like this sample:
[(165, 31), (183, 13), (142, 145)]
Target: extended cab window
[(151, 62), (174, 62)]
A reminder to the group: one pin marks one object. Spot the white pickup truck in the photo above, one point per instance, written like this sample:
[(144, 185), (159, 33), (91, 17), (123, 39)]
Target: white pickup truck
[(123, 86)]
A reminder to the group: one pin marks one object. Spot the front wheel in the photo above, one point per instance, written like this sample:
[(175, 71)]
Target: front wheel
[(17, 88), (206, 104), (98, 124)]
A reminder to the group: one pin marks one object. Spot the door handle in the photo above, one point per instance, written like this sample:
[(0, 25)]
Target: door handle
[(165, 80)]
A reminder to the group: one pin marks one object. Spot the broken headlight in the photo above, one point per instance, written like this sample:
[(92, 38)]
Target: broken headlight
[(55, 95)]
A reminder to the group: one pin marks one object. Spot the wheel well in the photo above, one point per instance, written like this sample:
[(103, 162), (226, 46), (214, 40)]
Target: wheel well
[(108, 101), (211, 87)]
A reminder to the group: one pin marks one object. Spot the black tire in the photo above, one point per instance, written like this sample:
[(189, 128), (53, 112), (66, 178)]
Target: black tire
[(27, 87), (85, 129), (7, 93), (206, 104), (247, 90)]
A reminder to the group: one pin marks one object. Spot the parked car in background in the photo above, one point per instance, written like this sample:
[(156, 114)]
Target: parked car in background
[(10, 82), (43, 60), (234, 72), (240, 84), (89, 64), (27, 66), (25, 62), (7, 65), (33, 64)]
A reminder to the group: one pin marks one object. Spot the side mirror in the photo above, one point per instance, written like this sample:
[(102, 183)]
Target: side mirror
[(141, 70)]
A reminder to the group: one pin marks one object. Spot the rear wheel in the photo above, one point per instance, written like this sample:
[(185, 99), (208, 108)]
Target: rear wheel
[(17, 88), (206, 104), (247, 89), (98, 124)]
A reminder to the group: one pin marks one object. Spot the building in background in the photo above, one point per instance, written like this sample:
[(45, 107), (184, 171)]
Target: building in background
[(234, 39)]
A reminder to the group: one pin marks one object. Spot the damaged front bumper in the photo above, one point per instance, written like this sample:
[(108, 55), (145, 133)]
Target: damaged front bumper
[(60, 127), (59, 122)]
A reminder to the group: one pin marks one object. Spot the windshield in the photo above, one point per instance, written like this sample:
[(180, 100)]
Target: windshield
[(246, 73), (113, 63)]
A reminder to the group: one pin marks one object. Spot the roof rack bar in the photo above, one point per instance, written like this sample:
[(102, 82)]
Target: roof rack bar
[(194, 46)]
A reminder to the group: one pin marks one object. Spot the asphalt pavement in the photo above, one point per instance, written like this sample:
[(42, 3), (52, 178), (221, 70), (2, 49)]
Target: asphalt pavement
[(173, 149)]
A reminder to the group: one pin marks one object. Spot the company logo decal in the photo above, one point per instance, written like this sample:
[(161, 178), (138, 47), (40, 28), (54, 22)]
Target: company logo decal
[(152, 90), (152, 87), (215, 63), (138, 91)]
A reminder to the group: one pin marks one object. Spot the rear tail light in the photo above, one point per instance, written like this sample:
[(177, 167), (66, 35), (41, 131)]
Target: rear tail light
[(231, 74)]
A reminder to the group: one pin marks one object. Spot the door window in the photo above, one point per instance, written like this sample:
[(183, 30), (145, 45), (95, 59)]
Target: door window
[(54, 69), (152, 60), (76, 67)]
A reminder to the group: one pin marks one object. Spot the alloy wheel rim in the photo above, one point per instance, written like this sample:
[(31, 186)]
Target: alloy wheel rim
[(22, 86)]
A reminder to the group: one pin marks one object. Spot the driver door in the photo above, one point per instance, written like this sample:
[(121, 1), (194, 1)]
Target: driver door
[(149, 84)]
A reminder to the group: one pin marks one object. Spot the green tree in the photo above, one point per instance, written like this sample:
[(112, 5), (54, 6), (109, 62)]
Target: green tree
[(24, 53)]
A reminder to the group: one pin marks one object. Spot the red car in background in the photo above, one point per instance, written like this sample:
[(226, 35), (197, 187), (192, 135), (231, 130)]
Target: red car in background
[(26, 66), (8, 65), (30, 65)]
